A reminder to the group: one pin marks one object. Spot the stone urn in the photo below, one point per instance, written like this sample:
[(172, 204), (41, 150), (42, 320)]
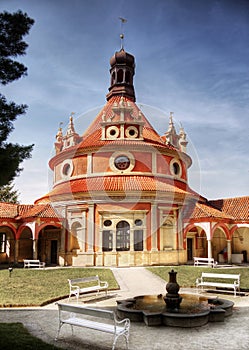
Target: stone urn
[(172, 298)]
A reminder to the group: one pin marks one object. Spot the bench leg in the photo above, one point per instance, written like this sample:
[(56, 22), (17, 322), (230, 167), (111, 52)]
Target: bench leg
[(127, 340), (58, 332), (114, 342), (59, 329), (125, 335)]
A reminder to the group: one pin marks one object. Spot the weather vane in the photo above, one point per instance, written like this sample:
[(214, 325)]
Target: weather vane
[(122, 21)]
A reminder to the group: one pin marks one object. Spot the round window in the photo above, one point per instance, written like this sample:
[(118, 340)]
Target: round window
[(112, 132), (138, 222), (131, 132), (122, 162), (107, 223), (67, 168)]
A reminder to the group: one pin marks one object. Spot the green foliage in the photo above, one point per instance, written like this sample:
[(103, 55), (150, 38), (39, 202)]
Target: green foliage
[(33, 287), (15, 336), (13, 26), (8, 194)]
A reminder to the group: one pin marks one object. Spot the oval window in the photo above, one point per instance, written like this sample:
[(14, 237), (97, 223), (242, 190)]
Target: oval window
[(138, 222), (176, 168), (66, 169), (107, 223)]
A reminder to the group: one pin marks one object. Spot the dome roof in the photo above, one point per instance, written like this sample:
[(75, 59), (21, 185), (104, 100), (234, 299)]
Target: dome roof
[(89, 163), (122, 58)]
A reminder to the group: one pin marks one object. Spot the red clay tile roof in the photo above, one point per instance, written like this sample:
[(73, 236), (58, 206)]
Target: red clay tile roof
[(236, 207), (8, 210), (41, 211), (202, 211), (91, 138), (119, 183), (20, 211)]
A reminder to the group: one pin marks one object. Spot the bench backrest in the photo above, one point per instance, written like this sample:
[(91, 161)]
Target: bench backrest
[(204, 259), (31, 261), (220, 275), (78, 309), (84, 279)]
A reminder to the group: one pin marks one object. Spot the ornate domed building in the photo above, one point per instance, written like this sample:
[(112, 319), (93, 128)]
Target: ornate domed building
[(121, 186), (120, 195)]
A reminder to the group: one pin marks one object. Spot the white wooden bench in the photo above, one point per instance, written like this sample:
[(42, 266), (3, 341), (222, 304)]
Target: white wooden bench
[(204, 261), (33, 263), (231, 281), (76, 315), (86, 285)]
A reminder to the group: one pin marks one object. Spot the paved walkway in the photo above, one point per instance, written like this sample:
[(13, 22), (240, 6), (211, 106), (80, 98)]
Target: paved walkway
[(233, 334)]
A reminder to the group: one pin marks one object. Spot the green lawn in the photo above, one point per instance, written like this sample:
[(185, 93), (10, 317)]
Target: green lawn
[(187, 275), (13, 336), (33, 287)]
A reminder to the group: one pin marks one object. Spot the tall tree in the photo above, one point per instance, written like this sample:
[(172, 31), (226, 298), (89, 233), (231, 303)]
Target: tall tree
[(13, 27), (8, 194)]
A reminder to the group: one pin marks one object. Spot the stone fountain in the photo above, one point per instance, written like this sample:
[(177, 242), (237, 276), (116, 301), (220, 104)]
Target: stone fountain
[(174, 309)]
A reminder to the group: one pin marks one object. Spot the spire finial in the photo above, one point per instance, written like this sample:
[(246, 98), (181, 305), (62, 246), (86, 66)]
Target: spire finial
[(71, 116), (122, 21)]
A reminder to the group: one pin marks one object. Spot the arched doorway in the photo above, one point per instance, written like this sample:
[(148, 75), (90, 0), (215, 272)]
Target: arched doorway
[(240, 243), (201, 245), (123, 236), (219, 245), (196, 243), (49, 244), (25, 250), (7, 245)]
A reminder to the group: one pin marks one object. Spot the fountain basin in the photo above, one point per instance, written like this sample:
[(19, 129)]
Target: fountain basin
[(195, 311)]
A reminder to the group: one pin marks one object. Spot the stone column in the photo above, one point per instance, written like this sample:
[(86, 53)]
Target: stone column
[(16, 250), (179, 225), (154, 228), (131, 239), (229, 251), (114, 241), (83, 232), (35, 252), (90, 229), (209, 248)]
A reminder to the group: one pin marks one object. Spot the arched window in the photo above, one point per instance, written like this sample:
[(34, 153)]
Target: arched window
[(113, 78), (120, 76), (123, 236), (127, 77)]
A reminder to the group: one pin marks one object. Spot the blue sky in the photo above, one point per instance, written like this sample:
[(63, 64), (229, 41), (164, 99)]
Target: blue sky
[(192, 58)]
